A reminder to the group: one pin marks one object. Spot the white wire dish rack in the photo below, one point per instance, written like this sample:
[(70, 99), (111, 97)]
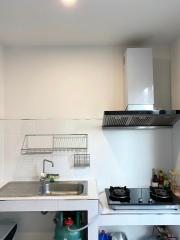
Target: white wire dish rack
[(50, 143)]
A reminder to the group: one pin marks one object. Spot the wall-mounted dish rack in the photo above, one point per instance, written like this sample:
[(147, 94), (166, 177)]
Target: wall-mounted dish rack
[(81, 160), (50, 143)]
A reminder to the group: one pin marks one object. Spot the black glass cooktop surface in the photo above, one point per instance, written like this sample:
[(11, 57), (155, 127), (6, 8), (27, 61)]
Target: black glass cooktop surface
[(141, 198)]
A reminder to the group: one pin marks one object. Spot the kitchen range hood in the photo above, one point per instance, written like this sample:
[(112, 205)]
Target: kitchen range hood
[(139, 96)]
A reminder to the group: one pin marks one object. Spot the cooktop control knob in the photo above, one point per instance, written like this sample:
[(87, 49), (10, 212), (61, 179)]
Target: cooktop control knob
[(150, 200), (140, 200)]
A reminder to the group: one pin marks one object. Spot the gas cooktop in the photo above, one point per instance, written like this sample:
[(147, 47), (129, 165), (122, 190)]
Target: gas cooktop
[(120, 198)]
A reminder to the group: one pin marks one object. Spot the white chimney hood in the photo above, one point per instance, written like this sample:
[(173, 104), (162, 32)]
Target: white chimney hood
[(139, 109), (138, 79)]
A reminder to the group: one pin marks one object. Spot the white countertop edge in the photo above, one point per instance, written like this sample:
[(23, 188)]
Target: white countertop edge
[(2, 183), (92, 193)]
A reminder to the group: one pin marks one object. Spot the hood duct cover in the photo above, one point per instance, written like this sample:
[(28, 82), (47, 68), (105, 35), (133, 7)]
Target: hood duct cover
[(140, 119)]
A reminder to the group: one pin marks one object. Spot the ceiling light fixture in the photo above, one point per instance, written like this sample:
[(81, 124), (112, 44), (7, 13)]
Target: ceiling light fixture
[(69, 3)]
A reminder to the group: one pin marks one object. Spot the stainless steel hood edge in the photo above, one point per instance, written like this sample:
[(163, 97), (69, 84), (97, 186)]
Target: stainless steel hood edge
[(141, 119)]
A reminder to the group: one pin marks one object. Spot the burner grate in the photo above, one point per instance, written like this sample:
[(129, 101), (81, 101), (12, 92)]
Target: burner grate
[(160, 194), (121, 194)]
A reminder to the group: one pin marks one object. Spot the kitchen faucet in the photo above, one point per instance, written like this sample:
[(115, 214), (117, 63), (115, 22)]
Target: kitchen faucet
[(43, 174)]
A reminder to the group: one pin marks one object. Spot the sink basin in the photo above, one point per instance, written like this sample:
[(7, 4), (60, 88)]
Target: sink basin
[(33, 189), (64, 188), (20, 189)]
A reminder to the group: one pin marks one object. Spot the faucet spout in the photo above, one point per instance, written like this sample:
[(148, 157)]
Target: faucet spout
[(44, 164)]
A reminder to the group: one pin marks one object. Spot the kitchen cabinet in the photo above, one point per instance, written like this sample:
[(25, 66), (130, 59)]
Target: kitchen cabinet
[(97, 220), (10, 208)]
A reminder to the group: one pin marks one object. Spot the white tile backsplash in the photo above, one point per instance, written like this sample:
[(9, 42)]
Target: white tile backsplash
[(176, 149), (118, 157)]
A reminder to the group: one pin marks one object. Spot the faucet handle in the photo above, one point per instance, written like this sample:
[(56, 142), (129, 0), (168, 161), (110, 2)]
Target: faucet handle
[(52, 176), (43, 176)]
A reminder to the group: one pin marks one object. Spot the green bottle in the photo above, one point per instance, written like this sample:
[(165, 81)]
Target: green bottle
[(166, 182)]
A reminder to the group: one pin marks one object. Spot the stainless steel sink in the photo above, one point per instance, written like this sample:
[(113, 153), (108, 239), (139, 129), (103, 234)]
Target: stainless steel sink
[(33, 189), (64, 188), (20, 189)]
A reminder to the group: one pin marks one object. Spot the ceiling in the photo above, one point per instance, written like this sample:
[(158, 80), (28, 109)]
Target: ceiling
[(89, 22)]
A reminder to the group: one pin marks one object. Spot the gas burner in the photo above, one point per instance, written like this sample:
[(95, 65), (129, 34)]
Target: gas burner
[(121, 194), (160, 194), (153, 198)]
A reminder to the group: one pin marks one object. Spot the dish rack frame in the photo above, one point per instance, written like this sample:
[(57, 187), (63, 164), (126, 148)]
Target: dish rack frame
[(75, 143)]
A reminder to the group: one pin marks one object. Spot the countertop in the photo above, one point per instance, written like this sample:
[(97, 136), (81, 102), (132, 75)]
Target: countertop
[(91, 195)]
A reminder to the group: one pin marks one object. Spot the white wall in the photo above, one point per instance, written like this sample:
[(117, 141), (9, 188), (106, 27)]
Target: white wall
[(80, 83), (162, 77), (1, 114), (175, 78), (73, 82), (2, 176), (31, 225), (175, 74), (176, 148), (175, 85), (1, 82), (62, 82), (76, 83), (118, 157)]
